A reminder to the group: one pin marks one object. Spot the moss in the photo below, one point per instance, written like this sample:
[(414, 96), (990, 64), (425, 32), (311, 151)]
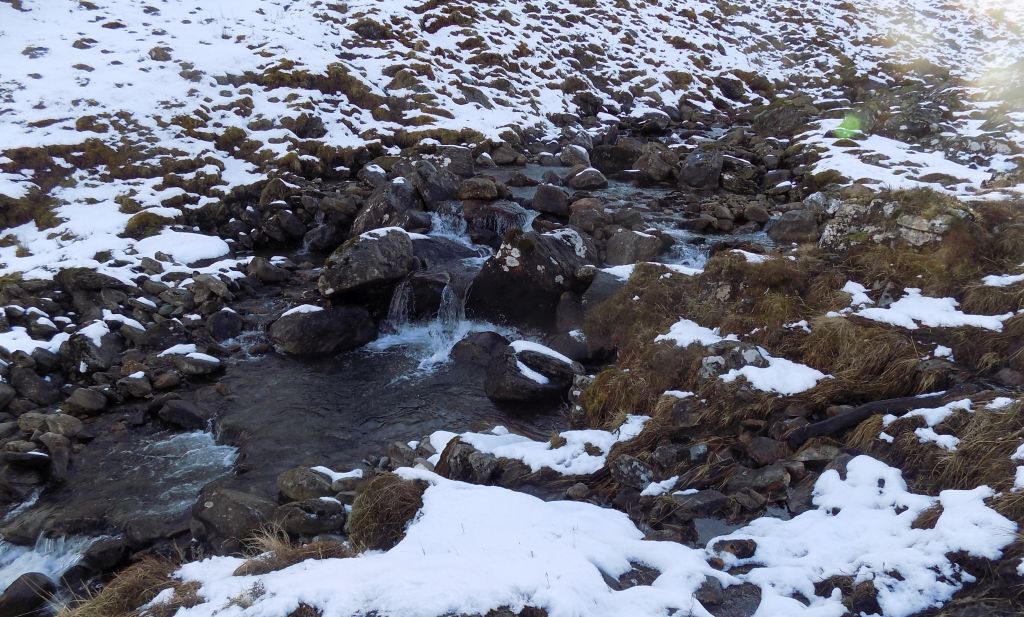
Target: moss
[(383, 510), (145, 224)]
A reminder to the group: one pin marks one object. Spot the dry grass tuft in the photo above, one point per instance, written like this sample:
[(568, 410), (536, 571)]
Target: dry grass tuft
[(273, 550), (383, 510), (134, 587)]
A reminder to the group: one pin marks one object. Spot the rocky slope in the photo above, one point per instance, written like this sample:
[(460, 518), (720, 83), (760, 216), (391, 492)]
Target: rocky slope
[(687, 308)]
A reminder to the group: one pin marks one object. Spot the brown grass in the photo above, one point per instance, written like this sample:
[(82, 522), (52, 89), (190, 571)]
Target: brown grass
[(134, 587), (383, 510), (273, 550)]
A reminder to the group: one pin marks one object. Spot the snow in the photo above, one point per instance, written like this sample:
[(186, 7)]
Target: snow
[(552, 555), (1002, 280), (531, 374), (686, 332), (862, 528), (781, 376), (913, 308), (933, 416), (858, 293), (18, 339), (569, 459), (519, 346), (182, 246), (182, 349), (302, 308), (659, 488), (337, 475)]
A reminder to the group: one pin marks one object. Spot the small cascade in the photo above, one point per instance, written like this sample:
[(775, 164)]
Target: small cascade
[(50, 556), (400, 309), (448, 222)]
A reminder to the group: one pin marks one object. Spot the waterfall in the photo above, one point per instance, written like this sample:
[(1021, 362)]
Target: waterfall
[(401, 306), (448, 222)]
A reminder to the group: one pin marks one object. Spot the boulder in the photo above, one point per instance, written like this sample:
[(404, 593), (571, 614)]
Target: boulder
[(224, 324), (479, 188), (529, 373), (86, 279), (631, 472), (7, 394), (390, 205), (525, 278), (225, 517), (630, 247), (701, 169), (86, 402), (302, 483), (461, 461), (266, 272), (29, 595), (487, 222), (657, 163), (478, 348), (186, 415), (794, 226), (588, 179), (434, 185), (323, 332), (310, 517), (372, 259), (33, 387), (572, 155), (620, 156), (550, 199), (197, 364)]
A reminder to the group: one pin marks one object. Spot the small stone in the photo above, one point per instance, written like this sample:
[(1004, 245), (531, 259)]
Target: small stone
[(578, 492)]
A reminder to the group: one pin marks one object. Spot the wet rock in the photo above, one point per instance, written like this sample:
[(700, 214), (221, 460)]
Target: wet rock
[(740, 548), (783, 117), (33, 387), (86, 402), (528, 376), (739, 601), (458, 159), (310, 516), (630, 247), (588, 179), (478, 348), (266, 272), (794, 226), (622, 155), (701, 169), (105, 555), (323, 332), (186, 415), (630, 471), (225, 517), (461, 461), (27, 596), (302, 483), (59, 449), (373, 259), (657, 163), (488, 222), (224, 324), (551, 199), (573, 155), (523, 281), (434, 184)]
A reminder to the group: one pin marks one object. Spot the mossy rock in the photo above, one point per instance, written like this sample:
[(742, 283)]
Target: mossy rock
[(145, 224)]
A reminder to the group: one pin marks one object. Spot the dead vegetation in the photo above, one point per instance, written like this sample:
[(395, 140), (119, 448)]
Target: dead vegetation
[(383, 510), (133, 588), (273, 550)]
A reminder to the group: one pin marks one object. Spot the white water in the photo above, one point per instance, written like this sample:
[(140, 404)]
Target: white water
[(50, 556)]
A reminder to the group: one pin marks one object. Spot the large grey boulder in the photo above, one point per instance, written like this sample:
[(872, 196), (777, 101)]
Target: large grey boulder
[(529, 373), (371, 259), (701, 169), (322, 332)]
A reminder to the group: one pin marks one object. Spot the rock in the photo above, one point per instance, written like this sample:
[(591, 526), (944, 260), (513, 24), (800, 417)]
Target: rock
[(136, 387), (166, 381), (59, 449), (105, 555), (370, 260), (741, 548), (480, 188), (7, 394), (523, 281), (657, 163), (186, 415), (33, 387), (478, 348), (488, 222), (197, 365), (573, 155), (577, 492), (434, 185), (302, 483), (794, 226), (86, 402), (631, 472), (622, 155), (588, 179), (224, 324), (771, 478), (461, 461), (550, 199), (459, 159), (703, 503), (86, 279), (390, 205), (756, 213), (310, 516), (225, 517), (27, 596), (262, 270), (323, 332), (529, 374), (63, 424), (701, 169), (710, 592), (630, 247), (765, 451), (783, 117)]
